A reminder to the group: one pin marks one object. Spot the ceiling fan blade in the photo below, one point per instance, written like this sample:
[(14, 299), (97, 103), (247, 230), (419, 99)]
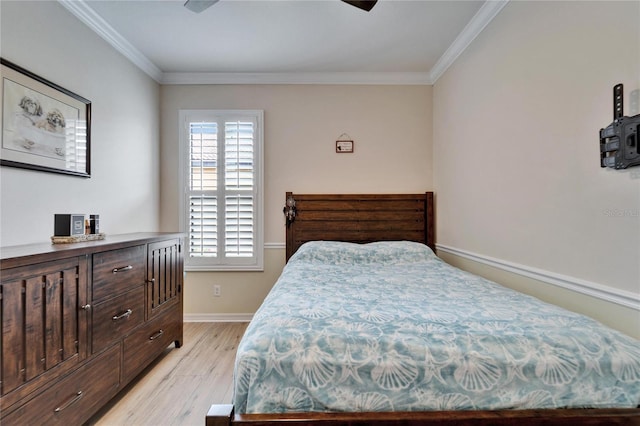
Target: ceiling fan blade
[(198, 6), (366, 5)]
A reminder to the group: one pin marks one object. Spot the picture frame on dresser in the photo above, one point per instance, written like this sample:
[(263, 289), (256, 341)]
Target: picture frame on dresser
[(45, 127)]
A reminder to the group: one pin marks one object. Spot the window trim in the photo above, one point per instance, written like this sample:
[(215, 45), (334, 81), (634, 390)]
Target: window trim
[(214, 264)]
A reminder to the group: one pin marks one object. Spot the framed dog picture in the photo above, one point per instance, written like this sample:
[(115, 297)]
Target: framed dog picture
[(44, 126)]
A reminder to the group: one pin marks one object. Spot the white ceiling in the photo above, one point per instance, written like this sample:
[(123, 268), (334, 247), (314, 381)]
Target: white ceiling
[(398, 39)]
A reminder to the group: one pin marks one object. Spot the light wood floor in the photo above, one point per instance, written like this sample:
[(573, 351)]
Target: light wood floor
[(179, 387)]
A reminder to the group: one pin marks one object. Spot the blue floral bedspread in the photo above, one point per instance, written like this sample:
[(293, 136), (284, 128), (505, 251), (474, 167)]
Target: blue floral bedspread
[(391, 327)]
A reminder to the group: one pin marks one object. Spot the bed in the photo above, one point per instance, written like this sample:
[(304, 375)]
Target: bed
[(366, 325)]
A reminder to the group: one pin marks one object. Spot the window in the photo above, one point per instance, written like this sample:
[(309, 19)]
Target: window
[(221, 189)]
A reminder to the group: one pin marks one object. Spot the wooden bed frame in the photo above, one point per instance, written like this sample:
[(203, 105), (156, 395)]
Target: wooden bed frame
[(363, 218)]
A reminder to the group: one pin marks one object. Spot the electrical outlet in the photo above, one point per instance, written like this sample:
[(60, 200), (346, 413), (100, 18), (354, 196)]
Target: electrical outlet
[(216, 291)]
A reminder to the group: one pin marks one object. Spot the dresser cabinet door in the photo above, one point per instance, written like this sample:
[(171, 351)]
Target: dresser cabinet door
[(44, 321), (164, 276)]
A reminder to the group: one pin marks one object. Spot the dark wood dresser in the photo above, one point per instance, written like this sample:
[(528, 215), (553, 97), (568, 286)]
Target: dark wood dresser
[(80, 321)]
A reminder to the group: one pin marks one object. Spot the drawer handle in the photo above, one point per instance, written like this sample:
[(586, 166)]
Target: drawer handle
[(86, 307), (123, 315), (124, 268), (75, 398), (158, 334)]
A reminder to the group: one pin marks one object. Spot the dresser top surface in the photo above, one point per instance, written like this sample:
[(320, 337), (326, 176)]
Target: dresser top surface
[(14, 255)]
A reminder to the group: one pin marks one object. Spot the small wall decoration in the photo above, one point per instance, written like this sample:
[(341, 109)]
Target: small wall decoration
[(344, 144), (44, 126)]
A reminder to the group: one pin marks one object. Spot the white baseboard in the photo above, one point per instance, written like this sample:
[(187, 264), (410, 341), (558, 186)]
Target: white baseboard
[(217, 317), (609, 294)]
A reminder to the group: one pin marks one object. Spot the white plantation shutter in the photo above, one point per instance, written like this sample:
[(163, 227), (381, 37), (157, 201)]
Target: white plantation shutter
[(239, 183), (238, 227), (203, 179), (222, 189), (203, 229)]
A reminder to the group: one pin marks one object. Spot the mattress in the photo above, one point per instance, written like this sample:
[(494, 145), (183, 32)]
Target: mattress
[(389, 326)]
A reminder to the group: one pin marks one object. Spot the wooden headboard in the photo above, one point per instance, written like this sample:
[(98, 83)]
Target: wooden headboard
[(361, 218)]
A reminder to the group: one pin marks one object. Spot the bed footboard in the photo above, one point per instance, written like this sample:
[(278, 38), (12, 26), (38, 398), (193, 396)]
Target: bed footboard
[(224, 415)]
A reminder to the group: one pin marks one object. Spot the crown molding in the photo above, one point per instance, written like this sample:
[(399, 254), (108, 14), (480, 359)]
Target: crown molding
[(480, 20), (390, 78), (81, 10)]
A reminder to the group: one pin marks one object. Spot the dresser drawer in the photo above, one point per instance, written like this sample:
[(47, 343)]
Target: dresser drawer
[(116, 317), (117, 271), (145, 344), (75, 398)]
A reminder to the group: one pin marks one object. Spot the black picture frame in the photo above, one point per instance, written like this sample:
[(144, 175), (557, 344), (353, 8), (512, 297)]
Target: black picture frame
[(344, 146), (45, 127)]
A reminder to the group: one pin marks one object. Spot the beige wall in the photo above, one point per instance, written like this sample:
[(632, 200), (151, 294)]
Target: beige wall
[(46, 39), (241, 292), (516, 122), (391, 127)]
